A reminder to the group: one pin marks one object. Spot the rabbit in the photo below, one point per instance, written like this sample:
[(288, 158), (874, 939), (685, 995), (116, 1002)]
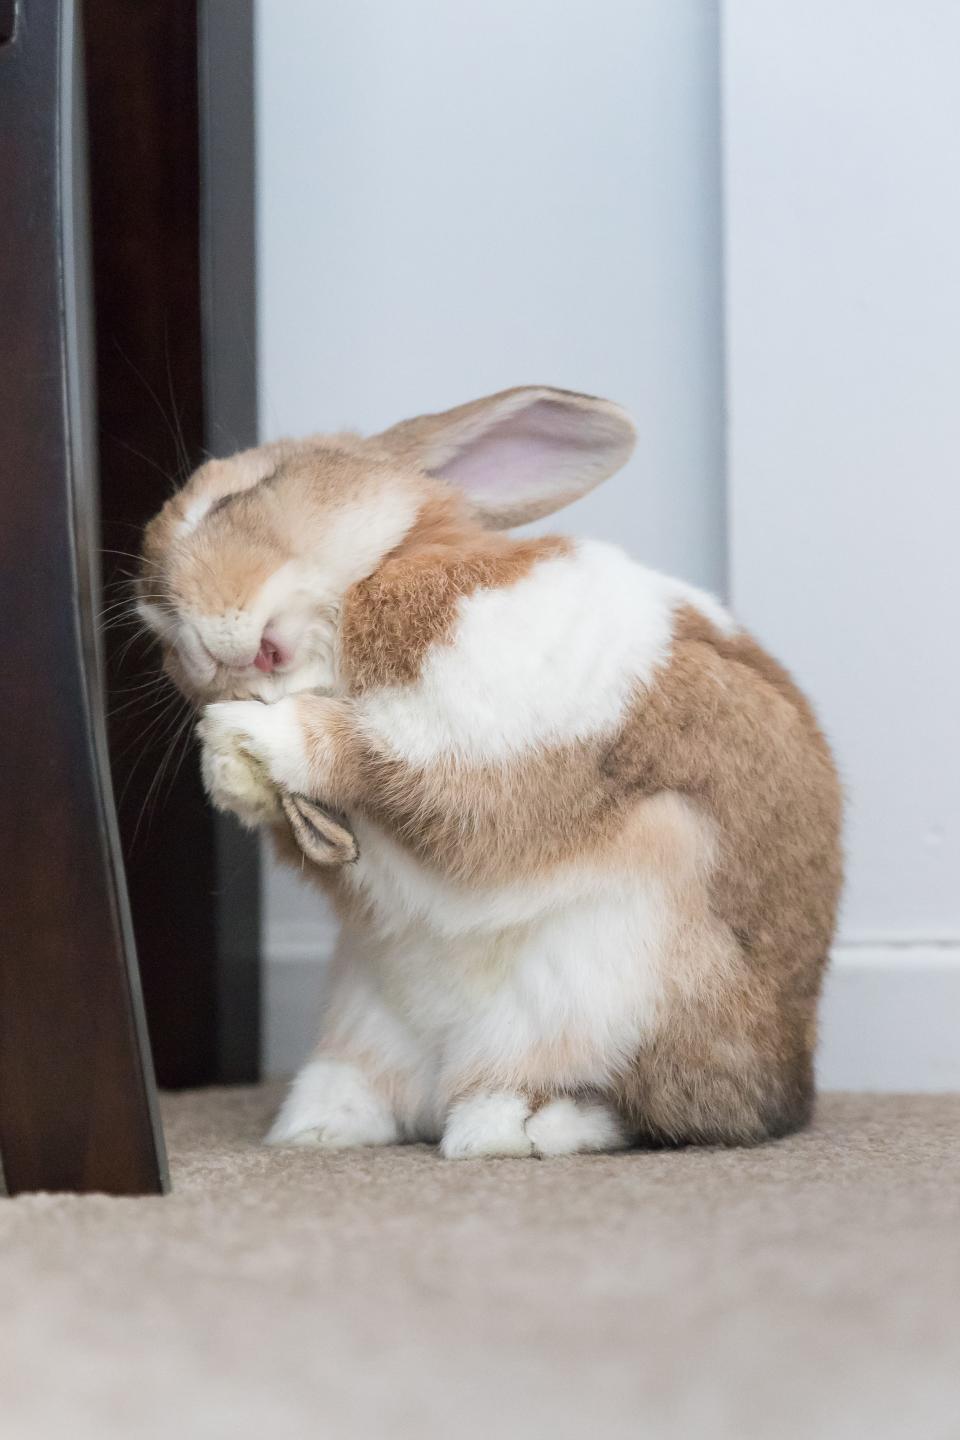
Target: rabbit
[(598, 829)]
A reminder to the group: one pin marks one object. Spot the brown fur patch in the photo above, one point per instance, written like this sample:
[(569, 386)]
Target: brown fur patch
[(389, 621), (726, 726)]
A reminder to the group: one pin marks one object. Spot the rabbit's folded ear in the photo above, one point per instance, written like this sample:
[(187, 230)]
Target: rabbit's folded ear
[(520, 454)]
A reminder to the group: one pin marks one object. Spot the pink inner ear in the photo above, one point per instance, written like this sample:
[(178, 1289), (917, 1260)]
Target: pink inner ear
[(541, 448)]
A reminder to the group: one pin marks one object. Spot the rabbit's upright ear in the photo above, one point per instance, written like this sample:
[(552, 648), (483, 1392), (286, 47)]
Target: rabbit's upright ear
[(519, 454)]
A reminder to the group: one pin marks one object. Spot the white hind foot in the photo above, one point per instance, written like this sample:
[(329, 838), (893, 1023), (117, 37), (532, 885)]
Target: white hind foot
[(503, 1124), (332, 1105), (572, 1127), (486, 1125)]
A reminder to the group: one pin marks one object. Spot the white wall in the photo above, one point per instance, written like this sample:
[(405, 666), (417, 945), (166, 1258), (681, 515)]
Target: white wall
[(843, 291), (842, 268), (459, 197)]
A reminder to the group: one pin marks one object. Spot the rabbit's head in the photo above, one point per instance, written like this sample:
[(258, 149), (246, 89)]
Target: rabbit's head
[(244, 570)]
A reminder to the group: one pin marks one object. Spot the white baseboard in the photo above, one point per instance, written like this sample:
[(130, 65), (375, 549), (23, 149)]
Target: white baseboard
[(890, 1018)]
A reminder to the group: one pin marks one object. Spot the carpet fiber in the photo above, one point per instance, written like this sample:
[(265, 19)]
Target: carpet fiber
[(810, 1288)]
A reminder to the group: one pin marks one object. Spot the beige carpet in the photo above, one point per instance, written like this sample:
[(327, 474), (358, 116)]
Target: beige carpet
[(811, 1288)]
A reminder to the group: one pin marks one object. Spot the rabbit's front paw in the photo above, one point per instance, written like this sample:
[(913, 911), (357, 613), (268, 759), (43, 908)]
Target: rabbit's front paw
[(332, 1105), (236, 759)]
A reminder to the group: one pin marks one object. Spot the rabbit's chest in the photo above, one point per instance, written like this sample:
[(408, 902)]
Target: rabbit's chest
[(569, 970)]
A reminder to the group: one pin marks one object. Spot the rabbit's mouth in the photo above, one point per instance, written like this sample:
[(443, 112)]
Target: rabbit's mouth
[(272, 655)]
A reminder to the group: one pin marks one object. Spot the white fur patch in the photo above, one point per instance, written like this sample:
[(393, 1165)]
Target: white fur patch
[(333, 1106), (195, 512), (486, 1125), (567, 970), (358, 535), (400, 890), (156, 619), (555, 658)]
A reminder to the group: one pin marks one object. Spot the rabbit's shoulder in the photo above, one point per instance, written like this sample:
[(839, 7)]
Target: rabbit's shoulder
[(412, 603), (452, 666)]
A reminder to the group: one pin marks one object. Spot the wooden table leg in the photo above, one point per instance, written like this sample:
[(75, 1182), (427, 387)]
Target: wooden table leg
[(77, 1107), (171, 188)]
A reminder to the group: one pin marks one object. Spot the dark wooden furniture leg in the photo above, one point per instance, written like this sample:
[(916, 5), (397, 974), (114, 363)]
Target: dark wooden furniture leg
[(171, 183), (76, 1089)]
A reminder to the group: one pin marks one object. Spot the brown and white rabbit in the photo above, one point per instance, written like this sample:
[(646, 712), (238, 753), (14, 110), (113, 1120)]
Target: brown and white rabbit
[(598, 827)]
